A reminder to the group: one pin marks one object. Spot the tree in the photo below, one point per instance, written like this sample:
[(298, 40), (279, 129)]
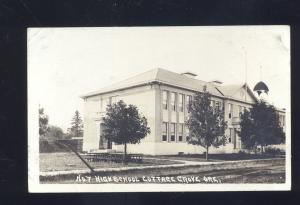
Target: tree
[(206, 124), (123, 124), (246, 124), (261, 126), (55, 133), (77, 127), (43, 122)]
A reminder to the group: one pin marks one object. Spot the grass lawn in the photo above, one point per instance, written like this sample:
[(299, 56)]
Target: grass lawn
[(63, 161), (218, 157), (271, 171), (265, 174)]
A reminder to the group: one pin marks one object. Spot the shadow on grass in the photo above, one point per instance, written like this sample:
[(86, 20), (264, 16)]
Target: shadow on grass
[(219, 157)]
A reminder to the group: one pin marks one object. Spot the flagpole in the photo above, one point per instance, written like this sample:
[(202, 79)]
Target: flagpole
[(246, 87)]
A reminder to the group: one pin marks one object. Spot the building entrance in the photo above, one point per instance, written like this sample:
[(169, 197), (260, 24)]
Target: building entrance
[(104, 143)]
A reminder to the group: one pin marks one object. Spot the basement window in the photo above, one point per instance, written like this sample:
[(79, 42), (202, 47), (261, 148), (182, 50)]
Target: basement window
[(180, 132), (164, 131), (172, 132)]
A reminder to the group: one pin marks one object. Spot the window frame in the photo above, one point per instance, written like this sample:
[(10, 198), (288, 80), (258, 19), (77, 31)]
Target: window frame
[(240, 110), (230, 133), (186, 133), (104, 103), (165, 101), (230, 110), (180, 134), (173, 103), (172, 125), (188, 102), (217, 105), (164, 132), (180, 102), (212, 104)]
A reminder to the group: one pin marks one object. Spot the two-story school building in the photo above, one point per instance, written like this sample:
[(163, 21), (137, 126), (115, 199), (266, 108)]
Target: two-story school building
[(162, 97)]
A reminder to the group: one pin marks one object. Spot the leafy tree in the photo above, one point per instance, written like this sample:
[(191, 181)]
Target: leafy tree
[(43, 122), (206, 124), (77, 126), (123, 124), (261, 126), (247, 126), (55, 133), (68, 135)]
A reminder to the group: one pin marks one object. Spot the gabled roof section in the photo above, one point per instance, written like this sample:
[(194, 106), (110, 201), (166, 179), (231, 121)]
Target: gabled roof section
[(231, 90)]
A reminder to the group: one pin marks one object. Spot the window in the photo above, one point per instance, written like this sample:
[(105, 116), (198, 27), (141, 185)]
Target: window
[(173, 101), (112, 100), (217, 105), (230, 134), (281, 120), (172, 131), (212, 104), (188, 101), (165, 100), (221, 105), (180, 132), (180, 102), (229, 110), (164, 131), (187, 133), (104, 103), (234, 138), (240, 110)]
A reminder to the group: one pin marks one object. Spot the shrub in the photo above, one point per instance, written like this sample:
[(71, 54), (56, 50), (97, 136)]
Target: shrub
[(273, 151), (45, 146), (242, 152)]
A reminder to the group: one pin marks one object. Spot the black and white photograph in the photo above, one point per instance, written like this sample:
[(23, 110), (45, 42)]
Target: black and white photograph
[(171, 108)]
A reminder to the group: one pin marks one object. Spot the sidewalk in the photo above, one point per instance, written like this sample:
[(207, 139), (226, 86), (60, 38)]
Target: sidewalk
[(183, 164)]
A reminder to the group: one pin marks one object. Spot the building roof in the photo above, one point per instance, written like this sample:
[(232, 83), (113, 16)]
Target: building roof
[(230, 90), (136, 80), (163, 76)]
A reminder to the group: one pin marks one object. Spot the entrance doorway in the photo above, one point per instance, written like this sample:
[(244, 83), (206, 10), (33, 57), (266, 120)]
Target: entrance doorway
[(234, 138), (232, 134), (104, 143)]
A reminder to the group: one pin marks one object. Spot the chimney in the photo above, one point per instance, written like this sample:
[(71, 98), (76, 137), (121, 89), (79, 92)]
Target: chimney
[(189, 74), (216, 82)]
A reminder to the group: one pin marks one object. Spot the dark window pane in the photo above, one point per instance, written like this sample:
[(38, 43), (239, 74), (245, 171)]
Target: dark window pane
[(180, 138)]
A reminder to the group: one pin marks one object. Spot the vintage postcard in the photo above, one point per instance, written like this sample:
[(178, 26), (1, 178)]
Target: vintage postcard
[(135, 109)]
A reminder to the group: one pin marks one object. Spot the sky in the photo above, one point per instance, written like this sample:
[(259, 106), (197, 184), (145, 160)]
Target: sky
[(64, 63)]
